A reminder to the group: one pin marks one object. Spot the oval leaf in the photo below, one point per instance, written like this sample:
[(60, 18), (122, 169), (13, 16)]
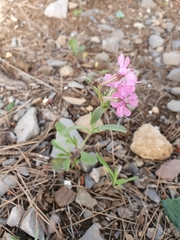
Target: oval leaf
[(56, 144), (57, 163), (66, 164), (111, 127), (96, 115), (88, 158)]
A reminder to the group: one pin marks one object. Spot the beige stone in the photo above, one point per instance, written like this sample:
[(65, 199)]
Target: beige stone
[(85, 122), (149, 143)]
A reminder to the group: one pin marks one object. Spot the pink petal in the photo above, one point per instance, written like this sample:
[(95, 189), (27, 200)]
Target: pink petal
[(127, 112), (120, 111), (121, 60), (107, 77), (127, 61), (123, 71), (114, 104), (133, 103)]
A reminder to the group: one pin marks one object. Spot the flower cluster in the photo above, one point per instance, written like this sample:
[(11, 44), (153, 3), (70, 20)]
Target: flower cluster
[(123, 84)]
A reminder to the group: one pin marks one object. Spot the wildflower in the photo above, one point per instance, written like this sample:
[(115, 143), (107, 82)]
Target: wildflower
[(124, 96), (123, 63)]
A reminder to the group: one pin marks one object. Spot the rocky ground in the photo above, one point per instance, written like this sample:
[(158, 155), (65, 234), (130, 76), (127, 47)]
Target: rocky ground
[(42, 81)]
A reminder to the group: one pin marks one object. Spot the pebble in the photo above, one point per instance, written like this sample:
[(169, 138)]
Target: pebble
[(64, 196), (102, 56), (89, 182), (148, 4), (149, 143), (110, 145), (87, 214), (19, 114), (56, 63), (152, 195), (30, 224), (45, 70), (72, 5), (175, 44), (53, 221), (93, 233), (9, 161), (169, 26), (61, 41), (27, 127), (96, 173), (74, 84), (105, 27), (95, 39), (171, 58), (111, 44), (175, 91), (15, 216), (85, 199), (57, 9), (66, 71), (48, 114), (174, 75), (62, 140), (155, 41), (6, 183), (174, 105), (84, 121), (74, 101), (159, 233)]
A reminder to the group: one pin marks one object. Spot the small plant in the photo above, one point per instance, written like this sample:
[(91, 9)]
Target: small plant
[(77, 12), (114, 175), (120, 94), (77, 50)]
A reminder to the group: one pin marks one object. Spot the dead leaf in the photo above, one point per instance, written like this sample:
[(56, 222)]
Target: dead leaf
[(64, 196), (169, 170), (75, 101), (125, 213)]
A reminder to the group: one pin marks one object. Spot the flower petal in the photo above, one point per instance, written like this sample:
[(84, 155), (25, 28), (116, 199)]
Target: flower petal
[(126, 62), (121, 60), (107, 76)]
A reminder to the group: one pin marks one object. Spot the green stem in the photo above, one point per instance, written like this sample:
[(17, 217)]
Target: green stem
[(84, 142)]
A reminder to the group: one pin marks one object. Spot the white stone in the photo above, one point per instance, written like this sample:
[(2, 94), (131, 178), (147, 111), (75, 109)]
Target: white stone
[(62, 140), (95, 39), (148, 4), (84, 198), (93, 233), (74, 84), (174, 75), (54, 220), (15, 216), (171, 58), (102, 56), (72, 5), (61, 41), (56, 63), (57, 9), (66, 71), (155, 41), (174, 105), (96, 173), (6, 183), (27, 127), (175, 91), (31, 225)]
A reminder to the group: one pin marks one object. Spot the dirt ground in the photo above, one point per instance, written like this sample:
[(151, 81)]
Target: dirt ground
[(28, 79)]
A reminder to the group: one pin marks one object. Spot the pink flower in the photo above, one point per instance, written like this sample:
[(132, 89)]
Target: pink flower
[(123, 64), (125, 95), (112, 80)]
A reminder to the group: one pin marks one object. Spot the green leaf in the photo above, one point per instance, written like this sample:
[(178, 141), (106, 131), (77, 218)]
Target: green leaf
[(60, 127), (97, 114), (111, 127), (13, 238), (57, 163), (88, 158), (122, 181), (104, 163), (10, 106), (77, 12), (82, 48), (172, 211), (103, 71), (69, 129), (73, 44), (66, 164), (56, 144), (98, 92)]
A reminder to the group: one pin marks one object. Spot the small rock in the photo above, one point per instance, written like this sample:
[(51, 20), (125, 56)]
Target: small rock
[(53, 221), (138, 25), (89, 182), (148, 4), (138, 41), (84, 121), (30, 225), (48, 115), (155, 109), (95, 39), (150, 232), (96, 173), (45, 70), (159, 233), (111, 44), (169, 26), (72, 5), (6, 183), (102, 56), (84, 198), (171, 58), (19, 114), (62, 140), (27, 127), (61, 41), (175, 44), (74, 84), (74, 101), (9, 161), (87, 214), (174, 75), (129, 237), (139, 162), (66, 71), (64, 196), (125, 213), (56, 63), (175, 91), (174, 105), (15, 216), (149, 143), (105, 27), (152, 195), (57, 9), (110, 145), (93, 233), (155, 41)]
